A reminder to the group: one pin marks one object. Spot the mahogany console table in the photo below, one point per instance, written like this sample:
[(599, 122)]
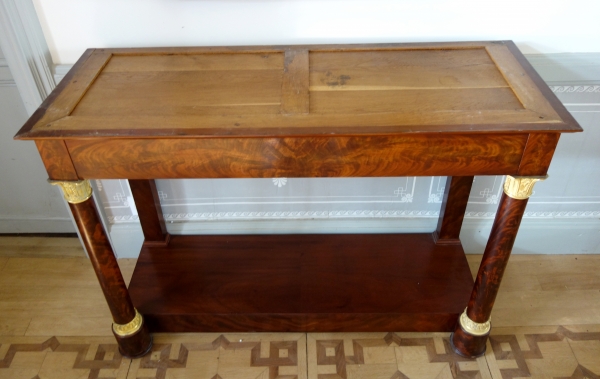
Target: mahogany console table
[(452, 109)]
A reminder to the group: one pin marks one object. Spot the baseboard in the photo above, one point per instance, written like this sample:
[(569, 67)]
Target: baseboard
[(25, 225), (536, 236)]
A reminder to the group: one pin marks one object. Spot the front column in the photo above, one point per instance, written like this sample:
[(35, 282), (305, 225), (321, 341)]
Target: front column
[(473, 327), (128, 327)]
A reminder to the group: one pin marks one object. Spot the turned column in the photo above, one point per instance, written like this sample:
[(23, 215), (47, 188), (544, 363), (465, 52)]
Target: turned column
[(473, 327), (128, 327)]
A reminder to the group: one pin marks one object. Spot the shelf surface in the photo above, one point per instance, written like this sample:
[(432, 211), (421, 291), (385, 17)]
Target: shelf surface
[(318, 282)]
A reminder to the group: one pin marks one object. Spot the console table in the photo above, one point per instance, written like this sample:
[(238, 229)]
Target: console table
[(451, 109)]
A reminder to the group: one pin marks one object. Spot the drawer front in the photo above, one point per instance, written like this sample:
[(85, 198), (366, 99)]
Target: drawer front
[(319, 156)]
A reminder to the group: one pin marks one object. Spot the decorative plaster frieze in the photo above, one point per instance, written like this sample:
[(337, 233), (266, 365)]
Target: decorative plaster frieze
[(571, 89), (350, 214)]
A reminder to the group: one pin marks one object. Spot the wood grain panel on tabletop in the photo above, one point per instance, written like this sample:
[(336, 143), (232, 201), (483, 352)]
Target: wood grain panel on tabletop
[(195, 62), (400, 81), (253, 91), (541, 85), (294, 92), (351, 70), (226, 125), (183, 93), (413, 100), (409, 155), (196, 84), (521, 83), (74, 90), (64, 85)]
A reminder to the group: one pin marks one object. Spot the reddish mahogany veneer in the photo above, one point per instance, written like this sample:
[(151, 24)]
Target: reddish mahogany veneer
[(498, 249), (364, 282), (110, 278), (147, 203)]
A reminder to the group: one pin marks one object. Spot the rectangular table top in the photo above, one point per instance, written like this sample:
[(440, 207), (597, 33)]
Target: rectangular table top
[(203, 92)]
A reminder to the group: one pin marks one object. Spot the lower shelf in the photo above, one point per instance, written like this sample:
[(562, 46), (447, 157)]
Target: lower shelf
[(313, 283)]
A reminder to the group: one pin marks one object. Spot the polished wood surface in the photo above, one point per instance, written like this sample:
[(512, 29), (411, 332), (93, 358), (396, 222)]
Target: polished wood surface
[(452, 211), (109, 276), (301, 283), (104, 261), (415, 154), (459, 109), (57, 161), (299, 90), (489, 276), (495, 258), (538, 154), (147, 204)]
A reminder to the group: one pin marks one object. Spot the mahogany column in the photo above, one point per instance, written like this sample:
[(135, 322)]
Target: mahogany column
[(147, 203), (473, 327), (129, 328), (452, 212)]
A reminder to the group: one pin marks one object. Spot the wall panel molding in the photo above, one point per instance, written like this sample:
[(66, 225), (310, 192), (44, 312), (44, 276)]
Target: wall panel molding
[(6, 79), (27, 61), (26, 51)]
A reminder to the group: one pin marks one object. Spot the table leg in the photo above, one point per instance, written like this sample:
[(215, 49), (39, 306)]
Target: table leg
[(473, 327), (452, 213), (149, 211), (128, 327)]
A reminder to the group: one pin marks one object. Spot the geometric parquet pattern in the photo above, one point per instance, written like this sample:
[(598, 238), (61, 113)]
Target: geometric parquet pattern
[(210, 356), (527, 352), (549, 352)]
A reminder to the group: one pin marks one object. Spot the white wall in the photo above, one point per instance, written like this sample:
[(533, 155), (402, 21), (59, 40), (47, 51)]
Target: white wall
[(27, 203), (537, 26)]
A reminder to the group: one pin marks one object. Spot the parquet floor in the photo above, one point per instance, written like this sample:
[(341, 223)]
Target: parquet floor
[(54, 324)]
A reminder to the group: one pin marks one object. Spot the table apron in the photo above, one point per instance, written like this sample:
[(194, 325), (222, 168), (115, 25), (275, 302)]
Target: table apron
[(318, 156)]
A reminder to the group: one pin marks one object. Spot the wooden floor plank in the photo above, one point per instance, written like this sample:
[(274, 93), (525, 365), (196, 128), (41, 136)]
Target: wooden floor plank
[(14, 326), (55, 247)]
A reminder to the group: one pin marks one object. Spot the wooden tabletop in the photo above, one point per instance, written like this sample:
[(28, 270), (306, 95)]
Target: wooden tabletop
[(300, 90)]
